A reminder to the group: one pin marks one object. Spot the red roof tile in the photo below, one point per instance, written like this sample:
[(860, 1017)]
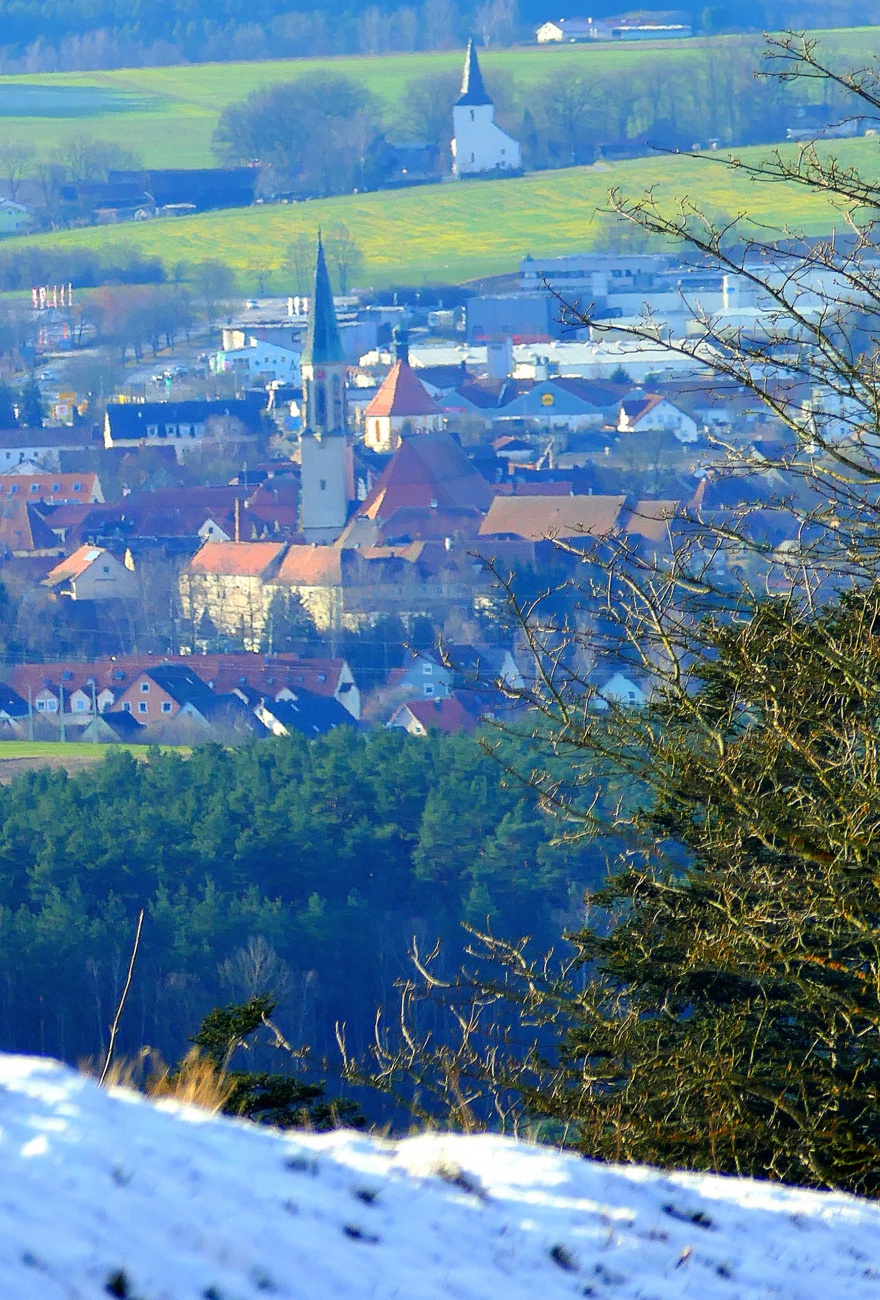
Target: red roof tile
[(535, 517), (240, 559), (311, 566), (402, 394)]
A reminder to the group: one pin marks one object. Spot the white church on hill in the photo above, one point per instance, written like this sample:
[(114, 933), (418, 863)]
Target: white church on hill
[(478, 145)]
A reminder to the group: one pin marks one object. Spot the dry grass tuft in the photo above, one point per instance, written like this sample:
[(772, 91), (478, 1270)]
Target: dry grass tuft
[(195, 1082)]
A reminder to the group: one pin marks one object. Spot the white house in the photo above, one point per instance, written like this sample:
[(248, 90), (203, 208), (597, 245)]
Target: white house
[(92, 573), (259, 360), (566, 29), (478, 145), (644, 413), (14, 217), (619, 691)]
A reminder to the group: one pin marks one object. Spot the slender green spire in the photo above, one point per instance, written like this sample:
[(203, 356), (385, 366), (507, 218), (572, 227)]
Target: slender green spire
[(323, 345)]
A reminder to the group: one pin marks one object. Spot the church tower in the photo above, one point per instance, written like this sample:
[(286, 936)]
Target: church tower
[(326, 459), (478, 145)]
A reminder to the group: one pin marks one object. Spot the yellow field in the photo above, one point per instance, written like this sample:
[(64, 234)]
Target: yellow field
[(459, 231)]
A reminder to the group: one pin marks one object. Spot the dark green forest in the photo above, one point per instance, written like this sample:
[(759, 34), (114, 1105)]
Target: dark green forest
[(45, 35), (296, 869)]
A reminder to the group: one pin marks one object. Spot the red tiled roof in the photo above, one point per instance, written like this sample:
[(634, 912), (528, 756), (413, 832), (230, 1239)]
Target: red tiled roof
[(311, 566), (239, 559), (23, 529), (220, 671), (636, 407), (534, 517), (650, 520), (448, 715), (428, 467), (402, 394), (74, 566), (51, 488)]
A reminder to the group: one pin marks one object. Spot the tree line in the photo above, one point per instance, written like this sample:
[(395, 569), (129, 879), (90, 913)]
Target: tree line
[(325, 134), (295, 869)]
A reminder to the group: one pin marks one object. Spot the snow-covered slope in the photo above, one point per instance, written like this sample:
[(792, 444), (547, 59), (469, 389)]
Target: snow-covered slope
[(105, 1193)]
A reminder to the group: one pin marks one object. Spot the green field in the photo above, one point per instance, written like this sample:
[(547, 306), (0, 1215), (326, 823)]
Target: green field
[(460, 231), (168, 114)]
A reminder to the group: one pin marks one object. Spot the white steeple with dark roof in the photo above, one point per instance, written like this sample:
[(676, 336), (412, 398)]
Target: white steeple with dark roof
[(478, 145)]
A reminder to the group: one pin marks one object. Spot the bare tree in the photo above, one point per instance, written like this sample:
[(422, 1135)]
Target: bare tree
[(344, 255), (496, 21), (15, 163)]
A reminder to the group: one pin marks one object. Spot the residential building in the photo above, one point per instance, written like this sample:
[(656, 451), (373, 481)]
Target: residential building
[(14, 217), (478, 145), (571, 30), (24, 532), (259, 361), (37, 451), (310, 715), (652, 412), (51, 489), (159, 694), (534, 517), (92, 573), (449, 715), (424, 675), (184, 426)]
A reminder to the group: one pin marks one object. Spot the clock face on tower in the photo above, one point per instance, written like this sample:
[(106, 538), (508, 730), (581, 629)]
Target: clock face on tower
[(320, 374)]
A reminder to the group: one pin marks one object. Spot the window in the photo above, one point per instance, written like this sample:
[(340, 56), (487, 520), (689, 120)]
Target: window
[(80, 705), (145, 686), (77, 487), (429, 689), (428, 669), (126, 707), (322, 677), (51, 706), (142, 706), (166, 706), (41, 706), (35, 487), (56, 487), (13, 489), (323, 485)]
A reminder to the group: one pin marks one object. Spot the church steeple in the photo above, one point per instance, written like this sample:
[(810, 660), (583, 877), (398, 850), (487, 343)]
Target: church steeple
[(323, 346), (473, 92), (324, 367)]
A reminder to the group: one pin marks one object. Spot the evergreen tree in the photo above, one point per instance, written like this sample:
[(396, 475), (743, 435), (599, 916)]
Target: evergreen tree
[(30, 406), (8, 417), (267, 1097)]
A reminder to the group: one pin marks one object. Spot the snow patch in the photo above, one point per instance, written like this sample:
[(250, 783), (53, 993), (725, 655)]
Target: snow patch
[(105, 1193)]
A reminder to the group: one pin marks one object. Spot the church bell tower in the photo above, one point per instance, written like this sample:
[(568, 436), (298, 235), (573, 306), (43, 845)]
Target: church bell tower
[(326, 458)]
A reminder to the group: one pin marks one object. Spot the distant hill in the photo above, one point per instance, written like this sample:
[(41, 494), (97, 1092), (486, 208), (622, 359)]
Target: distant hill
[(56, 35)]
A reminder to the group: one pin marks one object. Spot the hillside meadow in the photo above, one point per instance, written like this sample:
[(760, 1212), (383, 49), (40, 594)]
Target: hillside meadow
[(168, 114), (461, 231)]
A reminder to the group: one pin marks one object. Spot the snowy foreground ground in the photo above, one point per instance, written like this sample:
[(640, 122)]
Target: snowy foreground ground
[(106, 1194)]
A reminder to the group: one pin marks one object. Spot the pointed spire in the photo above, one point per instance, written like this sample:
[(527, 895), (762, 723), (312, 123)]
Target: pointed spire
[(473, 92), (323, 345)]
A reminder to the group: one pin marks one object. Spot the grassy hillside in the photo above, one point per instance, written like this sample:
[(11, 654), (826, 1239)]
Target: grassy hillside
[(169, 114), (460, 231)]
